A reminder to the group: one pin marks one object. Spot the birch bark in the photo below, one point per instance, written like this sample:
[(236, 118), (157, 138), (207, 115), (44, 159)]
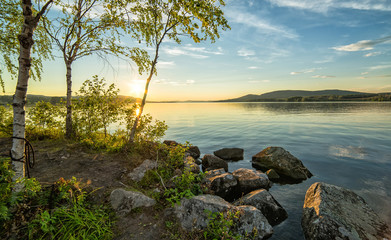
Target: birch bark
[(26, 42)]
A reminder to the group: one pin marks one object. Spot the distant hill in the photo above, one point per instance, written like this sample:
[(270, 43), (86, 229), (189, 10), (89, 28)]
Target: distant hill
[(311, 96)]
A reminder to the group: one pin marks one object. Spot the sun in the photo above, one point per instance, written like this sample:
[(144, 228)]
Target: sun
[(136, 89)]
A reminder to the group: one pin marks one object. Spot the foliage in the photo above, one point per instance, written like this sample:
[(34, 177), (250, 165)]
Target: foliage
[(61, 211), (6, 175), (45, 121), (6, 121), (11, 19), (97, 108), (221, 225)]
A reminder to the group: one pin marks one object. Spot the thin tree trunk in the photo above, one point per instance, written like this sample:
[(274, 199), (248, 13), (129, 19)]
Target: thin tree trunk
[(26, 42), (68, 120), (133, 132)]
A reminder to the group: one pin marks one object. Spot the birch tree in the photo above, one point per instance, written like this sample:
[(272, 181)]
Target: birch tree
[(25, 38), (151, 21), (86, 27)]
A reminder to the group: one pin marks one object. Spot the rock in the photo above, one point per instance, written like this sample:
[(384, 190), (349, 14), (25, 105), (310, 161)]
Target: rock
[(233, 154), (264, 201), (250, 180), (123, 201), (223, 185), (138, 173), (170, 143), (282, 162), (272, 175), (189, 164), (195, 213), (214, 172), (194, 151), (211, 162), (252, 221), (332, 212)]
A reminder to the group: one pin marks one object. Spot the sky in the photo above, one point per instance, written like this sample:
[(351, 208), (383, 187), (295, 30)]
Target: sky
[(272, 45)]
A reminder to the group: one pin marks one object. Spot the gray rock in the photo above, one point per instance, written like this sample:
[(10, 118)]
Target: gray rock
[(223, 185), (250, 180), (253, 222), (332, 212), (233, 154), (272, 175), (194, 151), (123, 201), (282, 162), (190, 165), (211, 162), (138, 173), (264, 201), (195, 213)]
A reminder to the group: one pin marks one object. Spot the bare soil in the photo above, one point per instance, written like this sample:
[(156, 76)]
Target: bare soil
[(105, 171)]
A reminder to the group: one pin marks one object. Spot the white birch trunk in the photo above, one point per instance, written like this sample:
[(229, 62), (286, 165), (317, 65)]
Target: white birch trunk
[(26, 42)]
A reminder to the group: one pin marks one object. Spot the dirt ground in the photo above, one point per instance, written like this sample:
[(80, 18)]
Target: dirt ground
[(106, 171)]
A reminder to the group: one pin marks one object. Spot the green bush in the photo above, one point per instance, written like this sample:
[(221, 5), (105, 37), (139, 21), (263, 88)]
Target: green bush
[(6, 121), (222, 225), (45, 120)]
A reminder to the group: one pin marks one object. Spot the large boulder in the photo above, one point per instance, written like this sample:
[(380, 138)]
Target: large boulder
[(211, 162), (138, 173), (264, 201), (332, 212), (195, 213), (250, 180), (233, 154), (282, 162), (123, 201)]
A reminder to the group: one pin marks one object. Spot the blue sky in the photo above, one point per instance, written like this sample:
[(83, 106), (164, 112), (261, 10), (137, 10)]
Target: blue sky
[(273, 45)]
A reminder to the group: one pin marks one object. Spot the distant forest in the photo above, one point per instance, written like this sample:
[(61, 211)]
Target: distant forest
[(33, 99)]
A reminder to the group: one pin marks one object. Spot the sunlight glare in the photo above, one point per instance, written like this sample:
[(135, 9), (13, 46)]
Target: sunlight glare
[(136, 89)]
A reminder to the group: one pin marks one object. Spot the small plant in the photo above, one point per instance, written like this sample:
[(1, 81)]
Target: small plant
[(222, 225)]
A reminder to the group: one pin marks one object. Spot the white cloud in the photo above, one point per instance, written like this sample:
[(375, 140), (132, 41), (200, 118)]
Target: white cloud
[(323, 6), (188, 82), (378, 67), (245, 52), (194, 52), (304, 71), (262, 25), (253, 67), (323, 76), (372, 54), (363, 45), (163, 64), (364, 73)]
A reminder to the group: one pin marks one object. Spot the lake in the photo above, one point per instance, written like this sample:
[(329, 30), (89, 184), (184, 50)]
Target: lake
[(342, 143)]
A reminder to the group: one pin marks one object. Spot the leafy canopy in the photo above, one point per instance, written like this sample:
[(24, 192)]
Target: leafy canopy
[(11, 19)]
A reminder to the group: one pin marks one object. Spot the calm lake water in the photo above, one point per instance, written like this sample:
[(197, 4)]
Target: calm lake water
[(346, 144)]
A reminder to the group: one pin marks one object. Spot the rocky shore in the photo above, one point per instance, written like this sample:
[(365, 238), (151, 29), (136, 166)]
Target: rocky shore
[(329, 212)]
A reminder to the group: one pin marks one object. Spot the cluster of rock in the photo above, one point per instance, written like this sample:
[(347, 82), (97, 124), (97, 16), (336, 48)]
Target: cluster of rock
[(329, 212)]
